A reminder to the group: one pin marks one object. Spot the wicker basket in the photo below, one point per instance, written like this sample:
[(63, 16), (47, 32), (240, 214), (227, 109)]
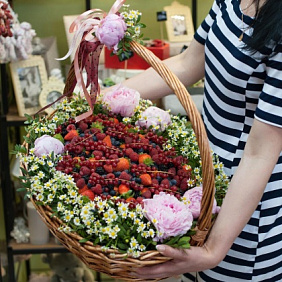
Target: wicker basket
[(119, 265)]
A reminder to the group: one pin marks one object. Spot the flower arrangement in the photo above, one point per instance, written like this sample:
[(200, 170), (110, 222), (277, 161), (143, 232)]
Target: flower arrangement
[(126, 178)]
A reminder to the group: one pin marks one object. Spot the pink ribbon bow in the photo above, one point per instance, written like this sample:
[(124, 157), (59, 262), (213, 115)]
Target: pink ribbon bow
[(86, 55)]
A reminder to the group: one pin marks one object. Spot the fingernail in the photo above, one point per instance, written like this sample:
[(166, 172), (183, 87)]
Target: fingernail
[(160, 248)]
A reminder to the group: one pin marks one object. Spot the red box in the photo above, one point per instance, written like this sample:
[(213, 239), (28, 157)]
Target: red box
[(135, 62)]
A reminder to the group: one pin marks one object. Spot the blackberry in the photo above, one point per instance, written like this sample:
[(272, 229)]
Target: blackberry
[(100, 170), (163, 167), (113, 192), (75, 169), (64, 132), (170, 165), (117, 173)]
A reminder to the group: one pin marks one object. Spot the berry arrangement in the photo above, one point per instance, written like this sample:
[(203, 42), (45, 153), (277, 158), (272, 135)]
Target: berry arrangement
[(5, 20), (111, 180), (109, 158)]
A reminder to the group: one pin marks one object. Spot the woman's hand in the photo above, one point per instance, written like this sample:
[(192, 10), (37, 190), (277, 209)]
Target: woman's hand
[(183, 261)]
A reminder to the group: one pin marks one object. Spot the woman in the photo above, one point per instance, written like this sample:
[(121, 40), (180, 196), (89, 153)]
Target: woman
[(238, 50)]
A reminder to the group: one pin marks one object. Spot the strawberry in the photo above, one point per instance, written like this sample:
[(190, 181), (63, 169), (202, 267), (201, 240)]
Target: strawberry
[(108, 141), (71, 134), (145, 158), (88, 193), (122, 189), (123, 164), (122, 146), (146, 179), (83, 189), (130, 200)]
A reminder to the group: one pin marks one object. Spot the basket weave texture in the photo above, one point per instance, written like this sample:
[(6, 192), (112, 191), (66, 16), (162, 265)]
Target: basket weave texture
[(120, 265)]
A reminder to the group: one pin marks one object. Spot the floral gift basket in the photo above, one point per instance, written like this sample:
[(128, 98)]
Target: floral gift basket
[(112, 175)]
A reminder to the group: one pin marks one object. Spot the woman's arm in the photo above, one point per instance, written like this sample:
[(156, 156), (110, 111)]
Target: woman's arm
[(188, 66), (262, 151)]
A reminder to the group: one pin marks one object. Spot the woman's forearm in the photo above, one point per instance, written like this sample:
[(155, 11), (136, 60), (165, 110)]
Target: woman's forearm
[(247, 186), (188, 66)]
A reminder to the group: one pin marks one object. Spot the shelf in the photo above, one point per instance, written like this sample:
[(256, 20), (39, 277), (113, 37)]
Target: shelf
[(27, 248), (13, 115)]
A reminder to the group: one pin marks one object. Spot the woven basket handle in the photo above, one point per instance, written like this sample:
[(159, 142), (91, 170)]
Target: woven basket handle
[(204, 220)]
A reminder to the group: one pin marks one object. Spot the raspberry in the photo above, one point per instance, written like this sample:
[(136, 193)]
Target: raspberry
[(153, 152), (127, 140), (80, 183), (98, 190), (97, 153), (146, 193), (134, 157), (125, 176), (100, 136), (128, 151), (82, 126), (108, 168), (184, 184), (113, 157), (84, 170), (165, 182), (71, 127)]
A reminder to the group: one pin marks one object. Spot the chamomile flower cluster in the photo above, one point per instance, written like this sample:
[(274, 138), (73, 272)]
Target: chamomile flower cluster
[(132, 19), (181, 136)]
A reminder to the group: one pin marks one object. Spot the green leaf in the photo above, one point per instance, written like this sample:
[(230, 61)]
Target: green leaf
[(122, 246), (21, 190), (59, 137), (141, 25), (84, 240)]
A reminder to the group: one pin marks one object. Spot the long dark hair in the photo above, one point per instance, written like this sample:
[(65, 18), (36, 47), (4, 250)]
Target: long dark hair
[(267, 25)]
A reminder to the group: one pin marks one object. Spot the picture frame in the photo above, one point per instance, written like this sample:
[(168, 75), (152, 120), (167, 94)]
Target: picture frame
[(28, 77), (51, 91), (179, 24)]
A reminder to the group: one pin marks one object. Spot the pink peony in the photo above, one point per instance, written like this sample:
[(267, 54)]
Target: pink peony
[(47, 144), (194, 198), (170, 216), (154, 116), (122, 100), (111, 30)]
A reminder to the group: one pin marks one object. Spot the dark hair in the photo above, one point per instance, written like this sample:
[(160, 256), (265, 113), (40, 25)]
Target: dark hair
[(267, 26)]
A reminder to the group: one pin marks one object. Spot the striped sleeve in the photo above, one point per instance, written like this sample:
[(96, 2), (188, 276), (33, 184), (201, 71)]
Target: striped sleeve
[(269, 109), (203, 30)]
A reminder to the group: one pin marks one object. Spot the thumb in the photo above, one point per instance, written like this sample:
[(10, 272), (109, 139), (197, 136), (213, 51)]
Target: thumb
[(168, 251)]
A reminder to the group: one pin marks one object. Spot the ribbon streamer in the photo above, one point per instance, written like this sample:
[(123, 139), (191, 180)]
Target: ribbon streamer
[(87, 55)]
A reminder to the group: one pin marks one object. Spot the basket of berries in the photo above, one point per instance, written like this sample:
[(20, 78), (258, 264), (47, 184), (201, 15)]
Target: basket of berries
[(112, 176)]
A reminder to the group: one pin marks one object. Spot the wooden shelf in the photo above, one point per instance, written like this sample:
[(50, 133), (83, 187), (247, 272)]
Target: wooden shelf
[(27, 248)]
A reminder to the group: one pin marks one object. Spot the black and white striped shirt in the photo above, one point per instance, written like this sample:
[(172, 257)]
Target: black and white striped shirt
[(238, 88)]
